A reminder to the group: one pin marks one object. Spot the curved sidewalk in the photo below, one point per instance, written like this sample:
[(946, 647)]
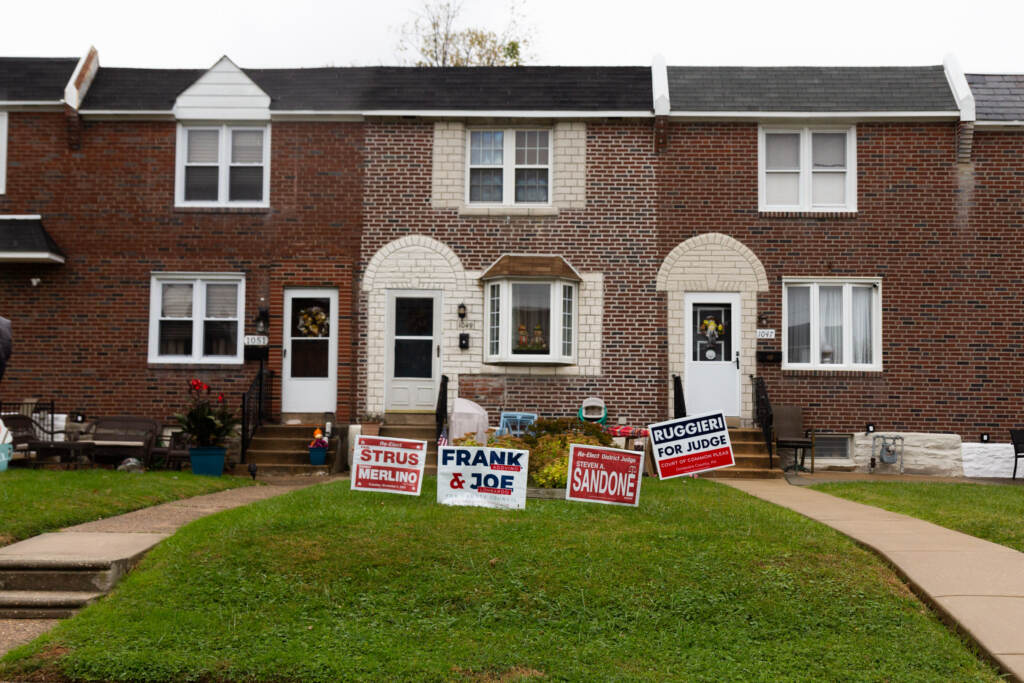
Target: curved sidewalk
[(975, 584)]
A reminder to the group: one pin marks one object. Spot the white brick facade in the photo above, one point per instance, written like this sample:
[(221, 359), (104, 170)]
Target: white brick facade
[(420, 262), (712, 262)]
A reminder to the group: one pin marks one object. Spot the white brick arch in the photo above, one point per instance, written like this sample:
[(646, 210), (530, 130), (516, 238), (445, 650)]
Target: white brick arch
[(713, 262), (417, 262)]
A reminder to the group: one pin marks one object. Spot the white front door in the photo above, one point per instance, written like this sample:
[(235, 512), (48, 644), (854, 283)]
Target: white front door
[(414, 349), (712, 377), (309, 354)]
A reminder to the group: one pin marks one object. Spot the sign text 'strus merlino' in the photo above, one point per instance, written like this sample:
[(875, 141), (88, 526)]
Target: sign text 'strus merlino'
[(389, 465)]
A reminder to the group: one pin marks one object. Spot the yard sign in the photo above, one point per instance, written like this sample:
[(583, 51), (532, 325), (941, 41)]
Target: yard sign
[(482, 476), (688, 445), (604, 475), (389, 465)]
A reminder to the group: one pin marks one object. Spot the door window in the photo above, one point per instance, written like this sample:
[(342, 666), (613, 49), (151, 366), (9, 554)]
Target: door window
[(712, 333), (414, 337), (310, 331)]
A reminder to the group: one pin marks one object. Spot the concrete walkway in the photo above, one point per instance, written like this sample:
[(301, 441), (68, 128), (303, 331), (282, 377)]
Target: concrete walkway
[(119, 541), (975, 584)]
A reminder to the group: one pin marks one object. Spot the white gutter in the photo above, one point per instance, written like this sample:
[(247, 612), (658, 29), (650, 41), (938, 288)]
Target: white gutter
[(30, 257), (660, 95), (21, 217), (960, 88), (815, 114), (999, 124)]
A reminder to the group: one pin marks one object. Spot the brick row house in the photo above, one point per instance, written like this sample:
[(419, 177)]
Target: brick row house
[(536, 234)]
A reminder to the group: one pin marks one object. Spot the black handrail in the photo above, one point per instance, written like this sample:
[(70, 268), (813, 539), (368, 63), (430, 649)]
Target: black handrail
[(256, 403), (763, 412), (441, 411), (678, 400)]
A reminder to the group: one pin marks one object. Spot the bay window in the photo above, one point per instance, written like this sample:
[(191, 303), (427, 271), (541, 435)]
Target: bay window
[(832, 325), (509, 167), (807, 169), (223, 166), (530, 321), (196, 318)]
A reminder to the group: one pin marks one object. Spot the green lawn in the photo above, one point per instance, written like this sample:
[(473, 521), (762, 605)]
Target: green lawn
[(701, 582), (35, 501), (992, 512)]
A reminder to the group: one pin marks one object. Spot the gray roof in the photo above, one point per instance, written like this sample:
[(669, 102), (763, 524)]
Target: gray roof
[(34, 79), (810, 89), (547, 88), (998, 97), (25, 236)]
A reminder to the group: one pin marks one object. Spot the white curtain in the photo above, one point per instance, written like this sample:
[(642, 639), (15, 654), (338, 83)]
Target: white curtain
[(830, 316), (862, 333), (798, 322)]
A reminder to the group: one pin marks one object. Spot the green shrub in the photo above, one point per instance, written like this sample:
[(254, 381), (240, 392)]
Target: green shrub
[(565, 425), (549, 459)]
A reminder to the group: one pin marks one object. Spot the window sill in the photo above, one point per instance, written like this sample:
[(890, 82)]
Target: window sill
[(532, 361), (790, 371), (194, 366), (221, 209), (467, 210), (807, 214)]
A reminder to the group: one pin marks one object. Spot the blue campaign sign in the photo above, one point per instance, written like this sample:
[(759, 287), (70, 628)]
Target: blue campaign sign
[(482, 476), (692, 444)]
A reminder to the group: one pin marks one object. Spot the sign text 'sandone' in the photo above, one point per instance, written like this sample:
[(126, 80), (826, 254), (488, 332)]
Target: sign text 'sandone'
[(481, 476), (604, 475), (690, 445), (389, 465)]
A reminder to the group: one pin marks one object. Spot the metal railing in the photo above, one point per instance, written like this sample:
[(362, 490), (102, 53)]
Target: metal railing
[(256, 403), (39, 410), (763, 412), (441, 411), (678, 400)]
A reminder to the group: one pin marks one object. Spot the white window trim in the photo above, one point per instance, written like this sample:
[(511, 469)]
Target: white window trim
[(223, 164), (509, 166), (198, 316), (806, 170), (3, 152), (876, 321), (505, 354)]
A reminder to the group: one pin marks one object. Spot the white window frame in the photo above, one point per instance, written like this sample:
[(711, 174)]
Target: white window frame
[(509, 166), (223, 164), (806, 170), (555, 355), (198, 282), (847, 284), (3, 152)]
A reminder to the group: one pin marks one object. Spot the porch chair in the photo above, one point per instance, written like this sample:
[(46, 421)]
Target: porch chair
[(1017, 437), (515, 423), (788, 423), (171, 448)]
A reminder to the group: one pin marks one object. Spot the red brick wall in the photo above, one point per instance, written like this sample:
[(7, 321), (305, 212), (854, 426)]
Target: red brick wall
[(613, 235), (81, 335), (938, 273)]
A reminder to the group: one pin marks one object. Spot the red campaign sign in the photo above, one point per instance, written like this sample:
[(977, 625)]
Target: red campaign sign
[(604, 475), (389, 465), (688, 445)]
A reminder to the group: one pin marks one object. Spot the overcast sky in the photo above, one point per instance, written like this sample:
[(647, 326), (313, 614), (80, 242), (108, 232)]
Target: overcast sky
[(984, 35)]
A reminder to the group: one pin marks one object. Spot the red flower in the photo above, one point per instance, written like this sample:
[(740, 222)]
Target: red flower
[(220, 398)]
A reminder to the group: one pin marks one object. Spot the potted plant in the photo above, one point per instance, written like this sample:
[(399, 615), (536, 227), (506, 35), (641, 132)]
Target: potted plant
[(371, 423), (318, 448), (207, 423)]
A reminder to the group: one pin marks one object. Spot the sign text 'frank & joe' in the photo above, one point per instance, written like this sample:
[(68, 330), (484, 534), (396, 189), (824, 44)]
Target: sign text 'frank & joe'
[(390, 465), (692, 444), (481, 476), (604, 475)]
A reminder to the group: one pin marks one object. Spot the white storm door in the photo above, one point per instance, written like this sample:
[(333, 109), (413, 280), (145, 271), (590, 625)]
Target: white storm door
[(309, 362), (712, 375), (414, 349)]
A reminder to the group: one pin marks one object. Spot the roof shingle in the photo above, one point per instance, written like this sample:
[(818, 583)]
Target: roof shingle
[(34, 79), (998, 97)]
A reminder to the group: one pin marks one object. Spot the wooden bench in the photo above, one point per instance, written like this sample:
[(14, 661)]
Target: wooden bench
[(125, 436)]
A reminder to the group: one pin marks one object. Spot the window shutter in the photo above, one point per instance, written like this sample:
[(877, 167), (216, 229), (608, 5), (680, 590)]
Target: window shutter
[(221, 301), (177, 301)]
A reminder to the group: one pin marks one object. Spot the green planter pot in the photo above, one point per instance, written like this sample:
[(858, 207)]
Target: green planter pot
[(208, 461), (317, 456)]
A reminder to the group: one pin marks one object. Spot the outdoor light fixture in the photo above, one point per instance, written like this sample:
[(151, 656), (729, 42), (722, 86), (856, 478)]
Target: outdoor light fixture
[(262, 318), (870, 428), (984, 437), (462, 310)]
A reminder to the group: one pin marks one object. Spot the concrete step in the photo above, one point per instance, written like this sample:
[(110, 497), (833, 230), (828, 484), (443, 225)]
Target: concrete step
[(34, 604), (278, 431), (410, 418), (749, 448), (59, 580), (261, 442)]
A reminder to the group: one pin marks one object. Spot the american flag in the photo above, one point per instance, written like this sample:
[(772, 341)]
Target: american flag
[(443, 439)]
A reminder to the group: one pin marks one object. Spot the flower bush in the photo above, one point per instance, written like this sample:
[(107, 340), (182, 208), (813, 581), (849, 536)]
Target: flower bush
[(207, 422)]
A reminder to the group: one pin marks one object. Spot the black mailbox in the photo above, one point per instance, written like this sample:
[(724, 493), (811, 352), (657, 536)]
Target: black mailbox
[(769, 356)]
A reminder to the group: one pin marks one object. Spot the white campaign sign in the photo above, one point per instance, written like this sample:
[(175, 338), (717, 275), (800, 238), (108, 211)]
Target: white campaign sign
[(482, 476)]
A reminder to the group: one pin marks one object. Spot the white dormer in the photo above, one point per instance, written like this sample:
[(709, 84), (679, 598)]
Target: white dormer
[(223, 93)]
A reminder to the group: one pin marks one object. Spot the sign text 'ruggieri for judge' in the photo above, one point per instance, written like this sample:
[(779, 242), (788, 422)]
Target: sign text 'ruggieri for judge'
[(690, 445)]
